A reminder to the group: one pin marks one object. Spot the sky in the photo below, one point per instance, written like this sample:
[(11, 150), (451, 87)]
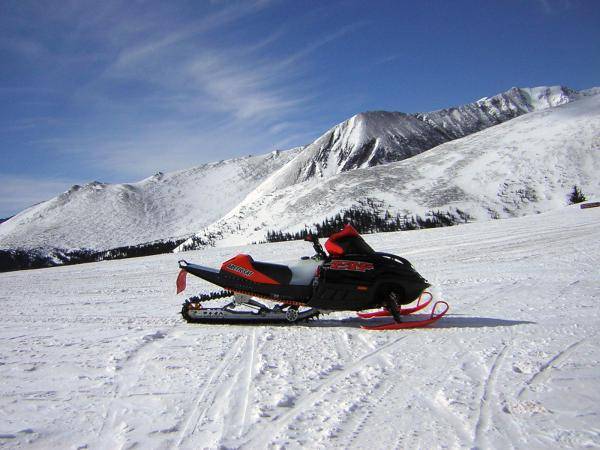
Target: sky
[(116, 91)]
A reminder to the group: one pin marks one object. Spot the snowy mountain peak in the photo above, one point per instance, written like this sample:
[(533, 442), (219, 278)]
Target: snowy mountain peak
[(356, 159), (548, 97), (101, 216), (373, 138), (522, 166)]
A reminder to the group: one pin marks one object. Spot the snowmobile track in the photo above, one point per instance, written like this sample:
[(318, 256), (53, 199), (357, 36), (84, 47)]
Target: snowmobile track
[(249, 373), (439, 410), (361, 423), (274, 427), (485, 413), (128, 368), (239, 391), (209, 393), (544, 371)]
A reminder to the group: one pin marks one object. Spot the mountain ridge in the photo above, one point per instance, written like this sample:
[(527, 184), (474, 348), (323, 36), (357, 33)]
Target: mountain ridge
[(373, 138), (180, 204), (480, 174), (162, 206)]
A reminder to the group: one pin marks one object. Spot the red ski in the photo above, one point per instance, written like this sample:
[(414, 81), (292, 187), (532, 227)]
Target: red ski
[(404, 311), (434, 317)]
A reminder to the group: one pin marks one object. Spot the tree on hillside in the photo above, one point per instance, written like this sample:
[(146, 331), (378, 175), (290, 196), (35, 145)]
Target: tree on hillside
[(576, 196)]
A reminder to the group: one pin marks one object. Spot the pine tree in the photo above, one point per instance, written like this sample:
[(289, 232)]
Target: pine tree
[(576, 196)]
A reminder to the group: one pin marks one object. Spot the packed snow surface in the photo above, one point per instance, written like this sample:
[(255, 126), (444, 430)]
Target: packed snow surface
[(96, 355)]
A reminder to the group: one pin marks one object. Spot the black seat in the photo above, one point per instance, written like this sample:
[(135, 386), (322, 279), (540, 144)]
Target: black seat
[(280, 273)]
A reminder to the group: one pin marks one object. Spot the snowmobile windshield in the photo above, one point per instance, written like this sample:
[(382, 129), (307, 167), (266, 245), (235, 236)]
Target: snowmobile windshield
[(347, 242)]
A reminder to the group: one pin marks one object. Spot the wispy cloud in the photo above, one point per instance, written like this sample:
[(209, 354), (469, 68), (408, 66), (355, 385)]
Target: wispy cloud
[(387, 59), (552, 7), (215, 97), (17, 192), (29, 123), (144, 89), (131, 56)]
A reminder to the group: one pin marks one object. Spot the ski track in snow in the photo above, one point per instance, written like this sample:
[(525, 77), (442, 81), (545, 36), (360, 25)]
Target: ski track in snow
[(95, 356), (208, 397), (126, 373), (489, 391), (544, 372), (317, 393)]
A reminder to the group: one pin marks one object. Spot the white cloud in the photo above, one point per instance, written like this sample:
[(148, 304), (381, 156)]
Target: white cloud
[(163, 93)]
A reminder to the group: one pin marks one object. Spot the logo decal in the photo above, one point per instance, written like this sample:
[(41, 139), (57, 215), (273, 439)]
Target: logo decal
[(241, 270), (355, 266)]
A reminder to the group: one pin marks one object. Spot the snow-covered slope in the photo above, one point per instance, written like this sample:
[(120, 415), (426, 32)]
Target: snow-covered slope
[(379, 137), (97, 357), (103, 216), (522, 166)]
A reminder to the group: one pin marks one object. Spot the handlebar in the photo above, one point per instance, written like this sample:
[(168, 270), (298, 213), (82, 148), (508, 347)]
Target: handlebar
[(316, 245)]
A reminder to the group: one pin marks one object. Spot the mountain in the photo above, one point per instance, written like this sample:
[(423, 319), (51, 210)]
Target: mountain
[(102, 216), (243, 198), (523, 166), (379, 137)]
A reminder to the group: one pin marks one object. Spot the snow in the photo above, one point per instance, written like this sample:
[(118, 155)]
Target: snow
[(102, 216), (96, 355), (524, 166), (379, 137), (175, 205)]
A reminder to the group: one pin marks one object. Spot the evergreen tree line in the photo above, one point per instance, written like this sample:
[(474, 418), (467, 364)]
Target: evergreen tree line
[(24, 259), (368, 221)]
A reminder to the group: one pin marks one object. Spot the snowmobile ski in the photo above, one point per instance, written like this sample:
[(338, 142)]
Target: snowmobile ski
[(434, 317), (403, 311)]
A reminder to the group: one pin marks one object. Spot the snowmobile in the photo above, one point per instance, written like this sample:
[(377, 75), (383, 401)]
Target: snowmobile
[(351, 276)]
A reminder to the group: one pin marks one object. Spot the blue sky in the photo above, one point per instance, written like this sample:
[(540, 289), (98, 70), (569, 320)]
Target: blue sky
[(117, 90)]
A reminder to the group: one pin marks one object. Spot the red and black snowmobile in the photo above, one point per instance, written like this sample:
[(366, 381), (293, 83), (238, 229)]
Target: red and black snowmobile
[(351, 276)]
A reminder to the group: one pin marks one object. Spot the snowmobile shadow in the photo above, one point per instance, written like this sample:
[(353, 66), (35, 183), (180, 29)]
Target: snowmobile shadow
[(450, 321), (457, 321)]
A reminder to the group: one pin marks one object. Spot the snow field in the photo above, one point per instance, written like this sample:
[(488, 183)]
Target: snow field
[(96, 355)]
